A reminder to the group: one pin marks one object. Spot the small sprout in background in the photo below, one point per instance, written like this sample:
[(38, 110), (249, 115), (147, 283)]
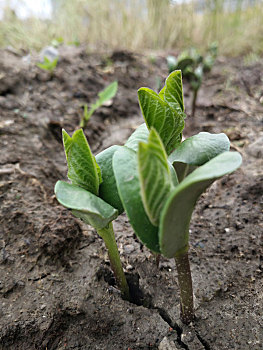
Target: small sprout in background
[(48, 65), (57, 42), (75, 42), (103, 96), (160, 178), (92, 195), (86, 115), (193, 66)]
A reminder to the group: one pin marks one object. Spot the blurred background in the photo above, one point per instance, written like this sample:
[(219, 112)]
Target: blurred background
[(141, 25)]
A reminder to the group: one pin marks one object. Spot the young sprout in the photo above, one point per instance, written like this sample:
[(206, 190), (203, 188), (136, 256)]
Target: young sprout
[(56, 42), (193, 66), (92, 195), (160, 178), (48, 65), (103, 96)]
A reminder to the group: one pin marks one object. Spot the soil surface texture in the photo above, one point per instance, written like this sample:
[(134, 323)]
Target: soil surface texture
[(56, 287)]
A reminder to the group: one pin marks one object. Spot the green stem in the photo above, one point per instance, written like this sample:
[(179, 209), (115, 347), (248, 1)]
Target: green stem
[(194, 102), (186, 289), (108, 236)]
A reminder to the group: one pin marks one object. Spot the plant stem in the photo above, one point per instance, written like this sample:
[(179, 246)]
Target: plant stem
[(108, 236), (186, 289), (194, 102)]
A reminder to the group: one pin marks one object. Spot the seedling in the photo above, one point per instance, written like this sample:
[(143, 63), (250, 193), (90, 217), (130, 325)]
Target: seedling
[(103, 96), (160, 178), (193, 66), (56, 42), (92, 195), (48, 65)]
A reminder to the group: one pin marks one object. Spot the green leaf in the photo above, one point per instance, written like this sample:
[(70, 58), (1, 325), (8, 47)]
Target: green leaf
[(176, 214), (161, 116), (127, 178), (139, 135), (154, 175), (161, 93), (200, 148), (108, 189), (105, 95), (173, 93), (48, 64), (83, 169), (85, 205), (185, 62)]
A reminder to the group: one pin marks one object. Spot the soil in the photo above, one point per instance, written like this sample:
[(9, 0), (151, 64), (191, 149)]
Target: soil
[(56, 287)]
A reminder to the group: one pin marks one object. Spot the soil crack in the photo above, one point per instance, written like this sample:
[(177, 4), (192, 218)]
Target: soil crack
[(163, 314), (203, 341)]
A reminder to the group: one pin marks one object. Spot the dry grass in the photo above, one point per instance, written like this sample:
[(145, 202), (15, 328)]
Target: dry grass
[(141, 25)]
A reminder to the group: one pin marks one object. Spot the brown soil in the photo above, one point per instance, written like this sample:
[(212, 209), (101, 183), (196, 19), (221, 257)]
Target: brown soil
[(56, 288)]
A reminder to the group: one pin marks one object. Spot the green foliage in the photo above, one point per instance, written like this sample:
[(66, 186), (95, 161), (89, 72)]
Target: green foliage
[(177, 211), (103, 96), (108, 188), (93, 186), (159, 206), (125, 166), (48, 65), (193, 66), (155, 176), (164, 112), (92, 174), (85, 205), (82, 167), (145, 176), (57, 41), (196, 151)]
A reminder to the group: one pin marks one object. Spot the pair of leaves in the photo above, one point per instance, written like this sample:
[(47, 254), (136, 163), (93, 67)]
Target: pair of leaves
[(158, 207), (165, 111), (89, 180)]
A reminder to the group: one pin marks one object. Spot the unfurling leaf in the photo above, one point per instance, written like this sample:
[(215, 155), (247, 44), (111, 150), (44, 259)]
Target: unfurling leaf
[(155, 176), (83, 169), (160, 115), (127, 178), (173, 92)]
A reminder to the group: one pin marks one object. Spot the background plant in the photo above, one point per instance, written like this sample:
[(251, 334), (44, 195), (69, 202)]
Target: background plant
[(193, 66), (92, 195), (157, 182), (48, 65), (103, 96)]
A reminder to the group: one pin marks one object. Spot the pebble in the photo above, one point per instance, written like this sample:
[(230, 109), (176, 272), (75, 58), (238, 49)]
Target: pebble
[(50, 52), (129, 248)]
